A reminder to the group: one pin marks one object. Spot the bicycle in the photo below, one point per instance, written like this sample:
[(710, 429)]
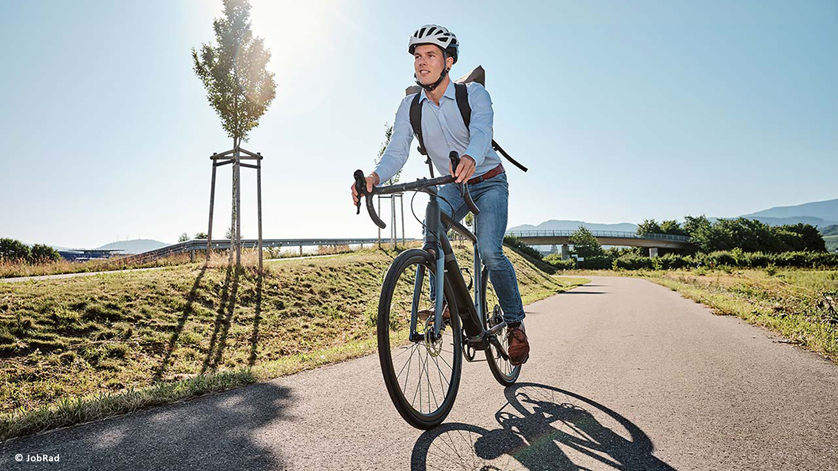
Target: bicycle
[(406, 290)]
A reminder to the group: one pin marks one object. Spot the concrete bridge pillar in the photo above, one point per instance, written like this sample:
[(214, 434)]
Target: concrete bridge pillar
[(653, 252), (565, 252)]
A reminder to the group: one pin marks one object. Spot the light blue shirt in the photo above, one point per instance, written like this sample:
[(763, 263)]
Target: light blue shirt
[(443, 130)]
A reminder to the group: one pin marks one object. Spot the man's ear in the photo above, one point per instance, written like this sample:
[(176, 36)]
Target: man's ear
[(448, 64)]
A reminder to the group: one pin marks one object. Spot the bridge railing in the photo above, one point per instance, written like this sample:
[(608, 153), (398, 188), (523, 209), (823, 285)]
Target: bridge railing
[(619, 234), (198, 245)]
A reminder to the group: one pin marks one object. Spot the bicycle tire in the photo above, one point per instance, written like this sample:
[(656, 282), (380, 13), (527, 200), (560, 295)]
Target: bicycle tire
[(391, 313), (504, 372)]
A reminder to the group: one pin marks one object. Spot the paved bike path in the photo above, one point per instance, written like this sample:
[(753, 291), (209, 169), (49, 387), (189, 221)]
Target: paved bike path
[(624, 374)]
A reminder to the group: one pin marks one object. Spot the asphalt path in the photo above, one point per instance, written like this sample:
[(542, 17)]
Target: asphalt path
[(623, 374)]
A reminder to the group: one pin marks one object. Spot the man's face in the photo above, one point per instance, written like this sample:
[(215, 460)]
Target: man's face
[(428, 63)]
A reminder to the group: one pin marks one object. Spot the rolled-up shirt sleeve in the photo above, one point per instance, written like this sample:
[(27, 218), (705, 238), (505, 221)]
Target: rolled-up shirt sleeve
[(398, 150), (480, 127)]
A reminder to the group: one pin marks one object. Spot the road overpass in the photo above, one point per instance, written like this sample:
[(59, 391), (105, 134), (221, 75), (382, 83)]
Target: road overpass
[(627, 239)]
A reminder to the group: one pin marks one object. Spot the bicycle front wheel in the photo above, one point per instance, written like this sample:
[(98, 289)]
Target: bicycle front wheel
[(422, 373), (504, 372)]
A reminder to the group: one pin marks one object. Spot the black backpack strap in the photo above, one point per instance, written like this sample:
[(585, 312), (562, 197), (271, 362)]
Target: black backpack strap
[(503, 153), (416, 124), (461, 93), (416, 121)]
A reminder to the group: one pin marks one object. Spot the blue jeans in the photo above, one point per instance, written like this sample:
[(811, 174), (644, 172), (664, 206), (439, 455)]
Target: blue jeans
[(492, 198)]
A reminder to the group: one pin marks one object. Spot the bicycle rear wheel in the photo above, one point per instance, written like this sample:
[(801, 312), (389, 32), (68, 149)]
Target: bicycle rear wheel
[(422, 376), (505, 372)]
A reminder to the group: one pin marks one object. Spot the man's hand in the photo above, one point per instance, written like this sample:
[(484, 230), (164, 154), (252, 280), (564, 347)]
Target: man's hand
[(372, 180), (465, 170)]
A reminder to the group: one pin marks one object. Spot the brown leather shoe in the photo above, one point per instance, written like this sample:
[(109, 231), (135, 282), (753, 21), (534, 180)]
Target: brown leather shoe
[(424, 314), (519, 345)]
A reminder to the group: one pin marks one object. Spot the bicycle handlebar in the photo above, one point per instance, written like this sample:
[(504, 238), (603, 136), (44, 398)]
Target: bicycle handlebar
[(418, 185)]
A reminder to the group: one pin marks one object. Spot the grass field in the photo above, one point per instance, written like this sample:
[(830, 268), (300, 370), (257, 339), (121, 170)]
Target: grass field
[(77, 349), (791, 302)]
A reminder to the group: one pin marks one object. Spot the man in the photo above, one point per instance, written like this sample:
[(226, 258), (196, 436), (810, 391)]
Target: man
[(435, 51)]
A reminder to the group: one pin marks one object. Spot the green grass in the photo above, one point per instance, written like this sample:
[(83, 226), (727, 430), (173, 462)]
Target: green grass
[(77, 349), (788, 301)]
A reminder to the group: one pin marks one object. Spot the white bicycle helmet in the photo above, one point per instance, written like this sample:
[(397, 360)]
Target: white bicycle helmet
[(438, 36)]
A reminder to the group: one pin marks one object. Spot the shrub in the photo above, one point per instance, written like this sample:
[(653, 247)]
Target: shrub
[(721, 257), (673, 261), (14, 250), (596, 262), (555, 259), (632, 262), (43, 254)]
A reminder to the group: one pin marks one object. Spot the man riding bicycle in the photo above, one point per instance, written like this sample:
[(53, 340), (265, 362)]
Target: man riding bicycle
[(435, 51)]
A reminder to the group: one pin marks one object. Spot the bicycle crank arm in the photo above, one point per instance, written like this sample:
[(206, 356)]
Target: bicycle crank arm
[(494, 340)]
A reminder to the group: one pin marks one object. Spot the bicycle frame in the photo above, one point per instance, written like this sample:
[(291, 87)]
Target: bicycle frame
[(470, 310)]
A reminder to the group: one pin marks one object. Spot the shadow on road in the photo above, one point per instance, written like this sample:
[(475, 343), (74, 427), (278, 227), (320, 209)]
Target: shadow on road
[(220, 432), (540, 427), (585, 292)]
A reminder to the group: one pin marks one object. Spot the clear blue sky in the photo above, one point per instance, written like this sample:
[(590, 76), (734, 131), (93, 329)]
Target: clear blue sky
[(622, 111)]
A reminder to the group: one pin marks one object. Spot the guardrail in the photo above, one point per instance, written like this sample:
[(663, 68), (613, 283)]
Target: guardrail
[(200, 245), (620, 234)]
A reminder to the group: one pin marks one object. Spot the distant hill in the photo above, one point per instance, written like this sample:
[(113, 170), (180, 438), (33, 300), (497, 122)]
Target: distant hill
[(825, 213), (566, 225), (829, 230), (134, 246), (780, 221)]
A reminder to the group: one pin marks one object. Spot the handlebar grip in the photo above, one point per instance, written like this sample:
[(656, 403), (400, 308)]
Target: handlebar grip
[(361, 188), (378, 222)]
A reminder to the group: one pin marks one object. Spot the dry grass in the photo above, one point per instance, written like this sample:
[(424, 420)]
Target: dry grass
[(16, 269)]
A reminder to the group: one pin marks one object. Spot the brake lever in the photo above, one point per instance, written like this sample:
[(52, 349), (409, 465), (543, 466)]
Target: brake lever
[(361, 188), (463, 187)]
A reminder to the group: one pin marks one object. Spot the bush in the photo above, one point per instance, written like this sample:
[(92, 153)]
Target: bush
[(555, 259), (43, 254), (14, 250), (721, 257), (632, 262), (596, 262), (673, 261), (757, 259)]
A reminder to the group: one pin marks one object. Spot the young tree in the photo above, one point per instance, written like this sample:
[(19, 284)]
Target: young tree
[(183, 237), (239, 86)]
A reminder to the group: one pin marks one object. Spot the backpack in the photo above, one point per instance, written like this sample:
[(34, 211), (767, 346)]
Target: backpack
[(461, 92)]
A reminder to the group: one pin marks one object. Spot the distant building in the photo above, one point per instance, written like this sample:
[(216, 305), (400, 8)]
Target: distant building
[(83, 255)]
